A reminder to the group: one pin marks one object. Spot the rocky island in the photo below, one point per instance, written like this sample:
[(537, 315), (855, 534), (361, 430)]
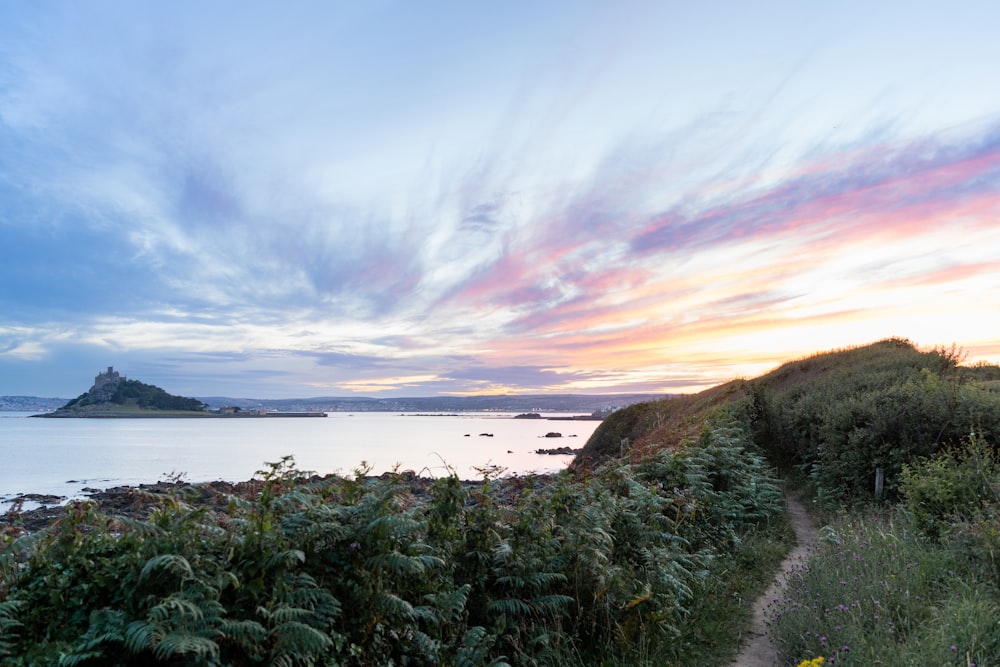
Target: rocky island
[(113, 395)]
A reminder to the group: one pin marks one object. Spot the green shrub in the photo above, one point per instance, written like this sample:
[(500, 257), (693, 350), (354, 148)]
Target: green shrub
[(955, 485), (838, 417)]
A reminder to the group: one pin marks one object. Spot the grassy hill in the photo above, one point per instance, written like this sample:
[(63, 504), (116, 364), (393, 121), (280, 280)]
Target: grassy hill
[(910, 577), (666, 424), (833, 417), (836, 417)]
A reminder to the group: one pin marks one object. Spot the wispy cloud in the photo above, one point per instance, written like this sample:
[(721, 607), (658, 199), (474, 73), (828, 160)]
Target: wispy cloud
[(844, 226), (334, 199)]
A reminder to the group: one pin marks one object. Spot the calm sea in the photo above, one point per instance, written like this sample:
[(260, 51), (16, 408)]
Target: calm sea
[(63, 456)]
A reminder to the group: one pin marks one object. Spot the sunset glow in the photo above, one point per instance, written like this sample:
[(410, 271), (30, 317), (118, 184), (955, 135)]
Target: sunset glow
[(392, 200)]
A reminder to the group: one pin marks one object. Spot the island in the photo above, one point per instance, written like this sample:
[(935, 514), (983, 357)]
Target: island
[(114, 396)]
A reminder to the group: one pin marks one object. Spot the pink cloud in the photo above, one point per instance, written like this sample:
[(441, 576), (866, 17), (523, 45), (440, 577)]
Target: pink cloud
[(648, 290), (879, 182)]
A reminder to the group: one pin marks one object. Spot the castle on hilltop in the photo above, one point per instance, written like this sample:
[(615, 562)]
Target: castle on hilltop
[(110, 377), (105, 384)]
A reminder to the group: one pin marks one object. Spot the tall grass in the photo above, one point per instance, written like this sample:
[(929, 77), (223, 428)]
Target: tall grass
[(877, 592), (916, 584)]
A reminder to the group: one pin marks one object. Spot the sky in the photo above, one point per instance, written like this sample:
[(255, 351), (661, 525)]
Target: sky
[(391, 198)]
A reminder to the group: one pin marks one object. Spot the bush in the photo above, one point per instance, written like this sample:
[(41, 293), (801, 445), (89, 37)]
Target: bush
[(837, 417), (955, 485)]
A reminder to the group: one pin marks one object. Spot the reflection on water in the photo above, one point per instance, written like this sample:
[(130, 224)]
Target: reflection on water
[(64, 456)]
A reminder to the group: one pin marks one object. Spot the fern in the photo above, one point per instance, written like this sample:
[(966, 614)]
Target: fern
[(283, 613), (530, 581), (294, 642), (178, 609), (393, 606), (8, 624), (142, 635), (104, 637), (173, 564), (395, 563), (574, 570), (510, 607), (550, 605), (450, 604), (475, 648), (187, 646), (285, 560), (246, 635)]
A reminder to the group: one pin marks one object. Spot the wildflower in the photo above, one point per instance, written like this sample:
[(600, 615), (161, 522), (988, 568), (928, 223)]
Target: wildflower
[(815, 662), (953, 648)]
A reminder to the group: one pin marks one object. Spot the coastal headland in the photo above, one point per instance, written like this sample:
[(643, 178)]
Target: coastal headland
[(113, 396)]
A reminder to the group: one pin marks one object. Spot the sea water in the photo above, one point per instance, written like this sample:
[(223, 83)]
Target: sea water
[(62, 457)]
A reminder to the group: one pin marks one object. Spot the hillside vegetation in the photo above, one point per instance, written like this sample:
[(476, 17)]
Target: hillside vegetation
[(649, 551), (668, 424), (132, 393), (838, 417), (909, 578), (605, 568), (832, 418)]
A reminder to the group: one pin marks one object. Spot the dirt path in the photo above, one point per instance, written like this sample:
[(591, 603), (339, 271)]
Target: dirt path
[(758, 650)]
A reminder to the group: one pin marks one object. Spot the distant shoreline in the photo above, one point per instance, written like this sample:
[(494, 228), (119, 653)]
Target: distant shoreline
[(176, 415), (539, 417), (544, 403), (256, 415)]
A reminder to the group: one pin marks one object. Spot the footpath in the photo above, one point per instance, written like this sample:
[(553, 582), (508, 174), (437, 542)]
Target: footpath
[(759, 650)]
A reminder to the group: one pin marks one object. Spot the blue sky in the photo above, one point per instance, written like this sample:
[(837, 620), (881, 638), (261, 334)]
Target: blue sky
[(393, 198)]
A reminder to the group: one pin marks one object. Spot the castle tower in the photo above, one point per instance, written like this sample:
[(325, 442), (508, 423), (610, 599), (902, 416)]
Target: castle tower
[(110, 377)]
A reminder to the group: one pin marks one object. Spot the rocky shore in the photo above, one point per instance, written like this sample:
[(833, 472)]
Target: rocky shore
[(159, 414), (137, 502), (134, 502)]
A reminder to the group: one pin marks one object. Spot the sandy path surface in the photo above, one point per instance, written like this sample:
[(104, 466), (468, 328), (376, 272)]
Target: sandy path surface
[(758, 649)]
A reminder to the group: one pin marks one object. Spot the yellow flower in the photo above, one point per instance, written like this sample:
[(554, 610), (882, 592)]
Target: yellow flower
[(815, 662)]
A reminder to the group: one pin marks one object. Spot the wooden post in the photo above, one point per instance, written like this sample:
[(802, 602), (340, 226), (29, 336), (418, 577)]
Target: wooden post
[(879, 482)]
